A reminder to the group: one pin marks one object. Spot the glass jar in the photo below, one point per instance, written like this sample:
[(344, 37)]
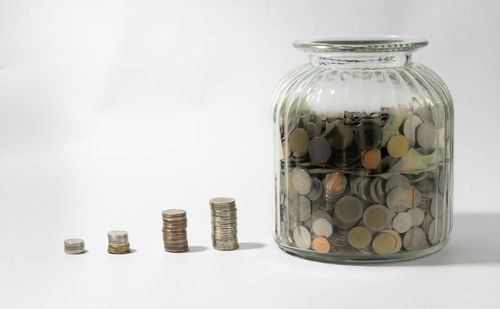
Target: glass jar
[(363, 153)]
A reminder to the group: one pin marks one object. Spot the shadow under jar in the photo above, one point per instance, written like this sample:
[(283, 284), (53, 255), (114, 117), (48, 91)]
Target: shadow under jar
[(363, 153)]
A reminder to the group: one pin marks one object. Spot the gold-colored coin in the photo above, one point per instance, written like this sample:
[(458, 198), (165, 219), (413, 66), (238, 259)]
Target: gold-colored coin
[(372, 158), (299, 142), (384, 243), (377, 217), (359, 237), (397, 146), (119, 249)]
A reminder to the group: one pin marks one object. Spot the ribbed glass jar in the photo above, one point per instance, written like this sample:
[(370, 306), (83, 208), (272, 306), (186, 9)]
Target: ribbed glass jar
[(363, 153)]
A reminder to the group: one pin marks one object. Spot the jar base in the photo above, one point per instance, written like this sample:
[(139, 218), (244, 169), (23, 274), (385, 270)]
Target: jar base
[(361, 259)]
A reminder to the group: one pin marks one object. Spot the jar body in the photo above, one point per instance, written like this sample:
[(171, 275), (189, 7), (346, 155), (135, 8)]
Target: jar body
[(363, 161)]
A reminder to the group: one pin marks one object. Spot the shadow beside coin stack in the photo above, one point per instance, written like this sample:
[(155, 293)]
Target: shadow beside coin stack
[(174, 230)]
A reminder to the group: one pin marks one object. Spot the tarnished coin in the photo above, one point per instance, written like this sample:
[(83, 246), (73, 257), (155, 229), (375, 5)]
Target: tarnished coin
[(384, 243), (396, 180), (302, 237), (299, 142), (319, 150), (417, 216), (377, 217), (397, 146), (402, 222), (426, 135), (415, 239), (399, 199), (321, 244), (410, 128), (313, 130), (359, 237), (371, 159), (368, 135), (341, 136), (322, 227), (301, 181), (348, 209)]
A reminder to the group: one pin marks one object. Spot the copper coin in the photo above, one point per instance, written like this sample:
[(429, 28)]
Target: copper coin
[(372, 158), (321, 244)]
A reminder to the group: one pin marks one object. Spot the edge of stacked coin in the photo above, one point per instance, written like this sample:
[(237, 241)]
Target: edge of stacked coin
[(118, 242), (224, 224), (174, 230), (74, 246)]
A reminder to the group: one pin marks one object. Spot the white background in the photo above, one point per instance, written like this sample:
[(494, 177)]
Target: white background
[(111, 111)]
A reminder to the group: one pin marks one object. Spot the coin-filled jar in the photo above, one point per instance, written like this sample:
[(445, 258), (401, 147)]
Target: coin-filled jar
[(363, 153)]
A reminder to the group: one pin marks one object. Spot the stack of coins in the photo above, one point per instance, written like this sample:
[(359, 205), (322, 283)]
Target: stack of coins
[(224, 230), (118, 242), (174, 230), (74, 246)]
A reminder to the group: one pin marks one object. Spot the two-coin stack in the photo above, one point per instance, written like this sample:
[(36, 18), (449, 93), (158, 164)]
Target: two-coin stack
[(118, 242), (174, 230), (224, 230), (74, 246)]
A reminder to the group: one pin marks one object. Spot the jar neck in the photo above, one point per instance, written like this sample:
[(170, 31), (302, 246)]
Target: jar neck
[(361, 60)]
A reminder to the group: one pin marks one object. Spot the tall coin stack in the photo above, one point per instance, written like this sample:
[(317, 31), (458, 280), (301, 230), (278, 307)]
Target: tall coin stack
[(224, 231), (174, 230), (74, 246), (118, 242)]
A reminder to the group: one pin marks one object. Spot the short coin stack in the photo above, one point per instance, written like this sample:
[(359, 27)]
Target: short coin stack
[(118, 242), (174, 230), (224, 230), (74, 246)]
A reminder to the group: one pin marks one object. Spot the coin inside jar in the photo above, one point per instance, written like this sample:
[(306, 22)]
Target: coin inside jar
[(319, 150), (410, 128), (359, 237), (321, 244), (415, 239), (397, 146), (322, 227), (426, 135), (348, 209), (299, 142), (399, 199), (384, 243), (301, 181), (402, 222), (341, 136), (396, 180), (302, 237), (372, 158), (377, 217)]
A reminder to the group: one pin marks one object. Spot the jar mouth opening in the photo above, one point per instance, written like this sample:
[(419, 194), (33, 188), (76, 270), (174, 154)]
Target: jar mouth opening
[(360, 44)]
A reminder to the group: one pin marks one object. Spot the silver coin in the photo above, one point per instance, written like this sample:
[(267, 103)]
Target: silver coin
[(426, 135), (417, 216), (303, 208), (410, 128), (415, 239), (319, 150), (375, 197), (437, 206), (399, 199), (434, 231), (74, 246), (402, 222), (118, 237), (301, 181), (396, 180), (322, 227), (316, 189), (302, 237)]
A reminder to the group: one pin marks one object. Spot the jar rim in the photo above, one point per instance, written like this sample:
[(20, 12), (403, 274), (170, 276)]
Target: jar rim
[(360, 44)]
